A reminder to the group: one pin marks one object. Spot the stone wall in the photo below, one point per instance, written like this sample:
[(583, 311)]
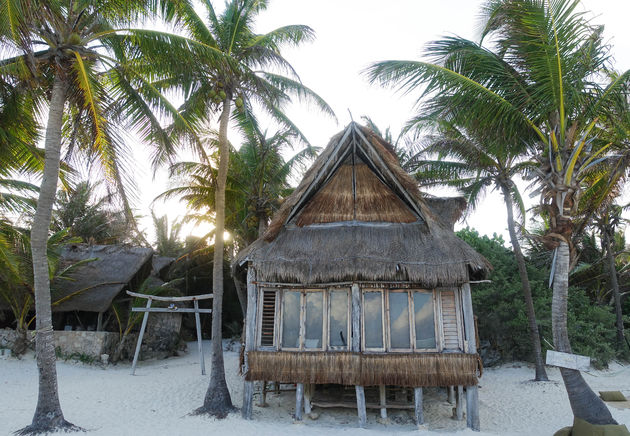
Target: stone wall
[(161, 340)]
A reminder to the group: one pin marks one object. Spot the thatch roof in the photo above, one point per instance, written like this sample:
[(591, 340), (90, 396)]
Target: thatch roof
[(114, 268), (357, 215)]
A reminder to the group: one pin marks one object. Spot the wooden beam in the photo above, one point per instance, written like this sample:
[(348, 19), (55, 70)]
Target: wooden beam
[(202, 362), (299, 401), (361, 406), (383, 402), (167, 310), (158, 298), (472, 396), (139, 344), (356, 318), (308, 396), (99, 322), (419, 414), (250, 335), (451, 394), (459, 404)]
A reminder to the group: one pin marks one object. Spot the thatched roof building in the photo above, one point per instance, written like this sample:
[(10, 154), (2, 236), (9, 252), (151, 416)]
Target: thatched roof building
[(95, 284), (360, 280)]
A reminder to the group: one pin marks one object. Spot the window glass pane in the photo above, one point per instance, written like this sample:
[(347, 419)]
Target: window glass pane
[(373, 320), (399, 320), (425, 324), (314, 319), (338, 318), (291, 319)]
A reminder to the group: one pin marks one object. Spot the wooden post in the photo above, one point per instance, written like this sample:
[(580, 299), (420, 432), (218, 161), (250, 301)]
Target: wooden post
[(472, 396), (144, 326), (383, 401), (459, 404), (356, 318), (299, 401), (250, 335), (99, 322), (199, 345), (361, 406), (419, 414), (263, 395), (356, 348), (451, 394), (308, 395)]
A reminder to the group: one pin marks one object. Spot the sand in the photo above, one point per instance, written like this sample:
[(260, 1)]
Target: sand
[(107, 400)]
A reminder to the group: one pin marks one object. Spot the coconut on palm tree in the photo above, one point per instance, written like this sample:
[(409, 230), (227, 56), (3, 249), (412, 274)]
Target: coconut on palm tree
[(536, 78)]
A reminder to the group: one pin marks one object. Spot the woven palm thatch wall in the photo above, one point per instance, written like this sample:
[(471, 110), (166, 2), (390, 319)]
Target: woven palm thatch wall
[(409, 370)]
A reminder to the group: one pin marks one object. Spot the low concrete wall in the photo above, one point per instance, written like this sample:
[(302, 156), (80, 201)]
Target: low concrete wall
[(161, 340)]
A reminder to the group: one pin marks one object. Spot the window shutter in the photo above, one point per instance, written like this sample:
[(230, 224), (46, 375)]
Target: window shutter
[(268, 322), (449, 320)]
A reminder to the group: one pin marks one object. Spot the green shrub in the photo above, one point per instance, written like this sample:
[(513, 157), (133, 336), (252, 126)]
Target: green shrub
[(502, 318)]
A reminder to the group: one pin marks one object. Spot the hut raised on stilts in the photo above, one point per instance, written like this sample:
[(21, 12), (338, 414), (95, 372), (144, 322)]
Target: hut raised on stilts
[(360, 281)]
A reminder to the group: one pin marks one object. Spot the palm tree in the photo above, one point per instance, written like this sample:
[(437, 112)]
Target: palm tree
[(538, 83), (81, 60), (473, 165), (240, 78)]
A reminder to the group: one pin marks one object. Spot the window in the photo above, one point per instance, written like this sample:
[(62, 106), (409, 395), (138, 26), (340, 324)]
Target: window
[(338, 319), (373, 320), (399, 320), (268, 318), (291, 319)]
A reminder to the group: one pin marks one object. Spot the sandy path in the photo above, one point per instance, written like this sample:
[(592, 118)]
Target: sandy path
[(108, 401)]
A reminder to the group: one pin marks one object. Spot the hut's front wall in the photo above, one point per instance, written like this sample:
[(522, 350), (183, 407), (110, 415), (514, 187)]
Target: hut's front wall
[(409, 336), (392, 319)]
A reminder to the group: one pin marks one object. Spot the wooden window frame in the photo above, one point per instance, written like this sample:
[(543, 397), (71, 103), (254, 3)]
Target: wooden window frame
[(458, 316), (259, 319), (383, 320), (302, 328), (437, 325), (348, 346), (412, 330)]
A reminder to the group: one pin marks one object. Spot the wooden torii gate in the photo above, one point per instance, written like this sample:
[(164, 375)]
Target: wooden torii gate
[(196, 310)]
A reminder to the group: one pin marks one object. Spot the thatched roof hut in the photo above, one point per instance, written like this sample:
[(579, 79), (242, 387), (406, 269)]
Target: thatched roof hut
[(357, 215), (360, 280), (95, 284)]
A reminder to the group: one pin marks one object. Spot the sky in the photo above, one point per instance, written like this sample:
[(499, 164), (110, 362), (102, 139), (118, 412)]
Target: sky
[(351, 34)]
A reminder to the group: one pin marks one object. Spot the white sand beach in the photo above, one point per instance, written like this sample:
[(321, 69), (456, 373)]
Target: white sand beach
[(107, 400)]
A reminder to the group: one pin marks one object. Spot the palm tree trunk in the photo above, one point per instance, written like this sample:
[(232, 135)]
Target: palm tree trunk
[(218, 401), (614, 283), (584, 403), (48, 415), (541, 373)]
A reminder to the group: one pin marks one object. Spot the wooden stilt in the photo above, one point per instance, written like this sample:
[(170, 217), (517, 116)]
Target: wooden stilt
[(459, 408), (419, 414), (144, 326), (472, 396), (299, 401), (308, 395), (383, 401), (361, 406), (263, 394), (202, 363), (99, 322), (472, 408), (451, 394), (250, 332)]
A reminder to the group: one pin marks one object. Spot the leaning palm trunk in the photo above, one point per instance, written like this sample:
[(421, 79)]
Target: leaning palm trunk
[(614, 284), (584, 403), (541, 373), (48, 415), (218, 401)]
